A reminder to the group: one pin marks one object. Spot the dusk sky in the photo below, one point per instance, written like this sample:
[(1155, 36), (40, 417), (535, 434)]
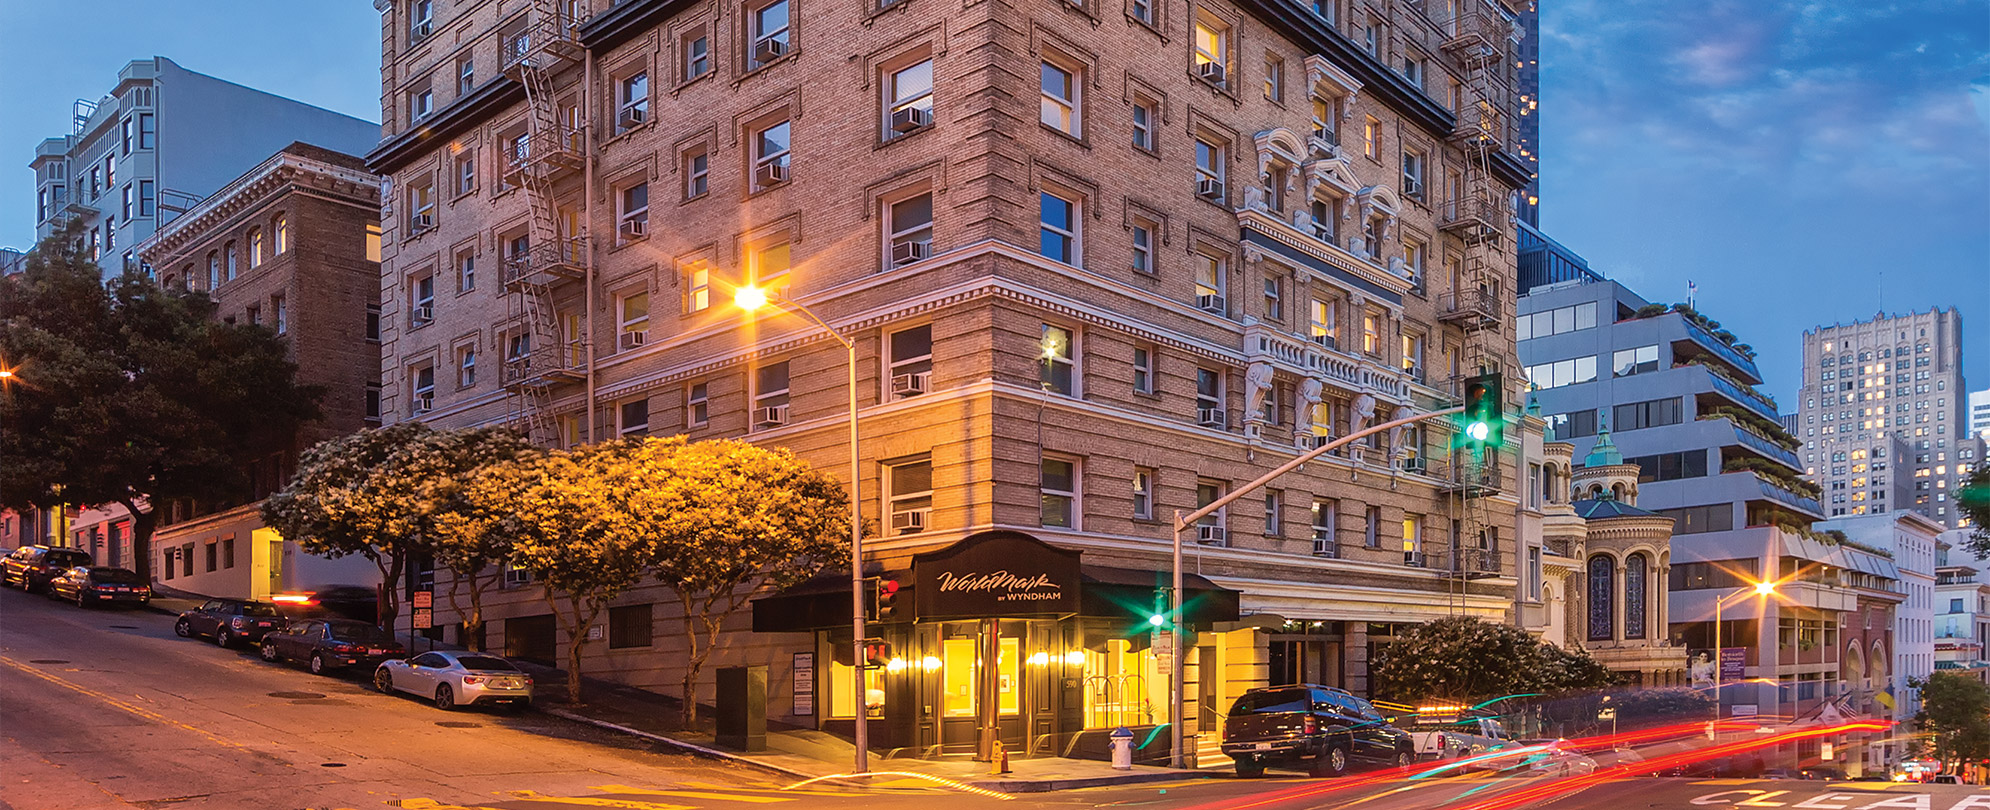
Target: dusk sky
[(1782, 155)]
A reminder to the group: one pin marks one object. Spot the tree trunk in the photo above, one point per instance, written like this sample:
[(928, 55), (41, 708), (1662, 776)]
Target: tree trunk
[(473, 624), (390, 588), (143, 524), (582, 613)]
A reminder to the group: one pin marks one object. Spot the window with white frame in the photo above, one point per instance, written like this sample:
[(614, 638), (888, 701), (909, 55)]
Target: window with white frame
[(466, 271), (1274, 504), (1371, 332), (421, 300), (910, 366), (213, 270), (1413, 173), (770, 33), (466, 172), (1144, 120), (1413, 70), (1326, 521), (697, 286), (1326, 119), (1371, 138), (1413, 258), (421, 19), (1209, 170), (697, 404), (466, 76), (421, 205), (697, 54), (1326, 220), (908, 99), (1412, 538), (633, 418), (1057, 369), (1058, 485), (1323, 323), (1143, 247), (466, 365), (771, 155), (1211, 527), (279, 308), (634, 314), (1058, 228), (1274, 79), (1212, 52), (770, 395), (1274, 297), (256, 248), (909, 496), (1143, 493), (635, 213), (767, 266), (632, 101), (1060, 100), (1209, 277), (697, 172), (1413, 354), (1142, 10), (1209, 399), (909, 223), (421, 101), (1143, 369), (282, 230), (421, 384)]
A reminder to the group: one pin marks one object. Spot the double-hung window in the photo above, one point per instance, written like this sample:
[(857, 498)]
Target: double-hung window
[(1323, 324), (466, 76), (697, 56), (635, 320), (1058, 228), (129, 205), (1274, 298), (421, 301), (255, 248), (466, 172), (421, 20), (770, 33), (1211, 528), (421, 102), (697, 405), (1143, 493), (635, 215), (1143, 369), (1326, 120), (633, 418), (909, 496), (1209, 276), (910, 221), (421, 206), (770, 155), (1057, 369), (282, 230), (1212, 57), (1209, 399), (421, 382), (632, 107), (697, 286), (466, 365), (770, 395), (1060, 100), (1326, 517), (911, 364), (148, 131), (697, 173), (213, 270), (1143, 247), (1058, 484), (1413, 173), (1274, 504), (908, 100), (1143, 124), (1208, 171)]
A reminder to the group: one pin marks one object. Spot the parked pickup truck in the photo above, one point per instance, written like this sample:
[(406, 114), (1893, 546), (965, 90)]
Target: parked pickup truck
[(1458, 735), (1319, 728)]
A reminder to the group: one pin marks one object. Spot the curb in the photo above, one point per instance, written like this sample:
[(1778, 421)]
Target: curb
[(1048, 785), (688, 747)]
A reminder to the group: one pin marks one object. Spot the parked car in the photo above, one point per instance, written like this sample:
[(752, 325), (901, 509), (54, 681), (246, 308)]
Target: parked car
[(1324, 729), (229, 620), (328, 644), (1457, 735), (31, 567), (356, 602), (452, 679), (95, 584)]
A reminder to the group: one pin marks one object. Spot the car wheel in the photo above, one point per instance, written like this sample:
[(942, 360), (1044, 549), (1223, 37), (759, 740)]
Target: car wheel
[(444, 698), (1405, 759), (1249, 769), (317, 664), (383, 681), (79, 600), (1332, 762), (269, 652), (182, 629), (49, 591), (222, 639)]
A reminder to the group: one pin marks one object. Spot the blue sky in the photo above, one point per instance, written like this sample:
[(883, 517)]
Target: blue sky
[(1781, 154)]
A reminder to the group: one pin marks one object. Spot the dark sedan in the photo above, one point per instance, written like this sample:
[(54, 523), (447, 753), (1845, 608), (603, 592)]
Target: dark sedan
[(100, 585), (328, 644), (227, 620)]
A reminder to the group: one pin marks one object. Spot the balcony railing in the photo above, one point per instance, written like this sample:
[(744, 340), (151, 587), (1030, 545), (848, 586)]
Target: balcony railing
[(564, 259), (1720, 349), (1754, 402), (1788, 497), (1340, 369), (1760, 444)]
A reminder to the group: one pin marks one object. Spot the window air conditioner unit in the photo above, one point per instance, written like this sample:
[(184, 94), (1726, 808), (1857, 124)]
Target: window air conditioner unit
[(909, 119), (631, 340), (910, 251), (1417, 465), (421, 30), (1212, 417), (770, 173), (424, 403), (1209, 188), (1415, 559), (1415, 372), (421, 222), (1214, 535), (910, 521), (1324, 546), (423, 313), (770, 416), (1210, 71), (635, 228), (768, 50), (631, 117), (914, 384), (1327, 341), (1210, 303), (1313, 441)]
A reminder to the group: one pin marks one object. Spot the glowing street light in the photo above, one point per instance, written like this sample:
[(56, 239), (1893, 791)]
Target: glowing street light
[(1764, 589)]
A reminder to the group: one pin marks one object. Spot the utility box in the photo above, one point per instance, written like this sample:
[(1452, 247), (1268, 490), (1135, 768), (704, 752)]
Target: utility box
[(742, 708)]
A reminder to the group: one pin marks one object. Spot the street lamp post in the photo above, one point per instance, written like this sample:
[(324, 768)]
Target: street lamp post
[(751, 298), (1765, 588)]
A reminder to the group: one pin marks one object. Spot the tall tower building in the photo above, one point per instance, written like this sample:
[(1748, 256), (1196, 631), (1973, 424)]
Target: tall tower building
[(1529, 65), (159, 142), (1868, 382)]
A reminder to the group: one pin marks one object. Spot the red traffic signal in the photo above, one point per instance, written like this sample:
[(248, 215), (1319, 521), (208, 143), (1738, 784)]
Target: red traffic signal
[(876, 653), (884, 600)]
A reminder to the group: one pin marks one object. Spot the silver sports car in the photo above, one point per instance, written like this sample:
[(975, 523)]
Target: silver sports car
[(452, 679)]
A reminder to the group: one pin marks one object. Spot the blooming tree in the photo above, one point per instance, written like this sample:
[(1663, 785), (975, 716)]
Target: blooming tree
[(466, 534), (352, 495), (1462, 657)]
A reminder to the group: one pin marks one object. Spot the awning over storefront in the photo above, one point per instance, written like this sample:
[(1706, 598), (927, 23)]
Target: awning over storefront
[(1001, 574)]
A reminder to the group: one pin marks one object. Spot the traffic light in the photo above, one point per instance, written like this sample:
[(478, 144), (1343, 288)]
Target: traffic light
[(884, 600), (1484, 423), (877, 652)]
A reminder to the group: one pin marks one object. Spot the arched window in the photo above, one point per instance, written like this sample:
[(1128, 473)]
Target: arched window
[(1635, 569), (228, 258), (282, 229), (255, 248), (1602, 598), (213, 270)]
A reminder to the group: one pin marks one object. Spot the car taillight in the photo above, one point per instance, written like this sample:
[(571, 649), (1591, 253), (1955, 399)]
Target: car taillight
[(1442, 742), (1312, 724), (472, 680), (237, 622), (344, 647)]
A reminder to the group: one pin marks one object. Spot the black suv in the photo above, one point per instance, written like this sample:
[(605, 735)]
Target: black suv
[(31, 567), (1321, 728), (227, 620)]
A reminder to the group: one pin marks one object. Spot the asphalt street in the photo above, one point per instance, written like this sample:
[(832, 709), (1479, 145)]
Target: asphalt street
[(108, 709)]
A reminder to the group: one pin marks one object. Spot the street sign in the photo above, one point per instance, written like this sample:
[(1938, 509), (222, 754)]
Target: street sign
[(1745, 710), (424, 618), (804, 685), (1164, 651), (1733, 659), (424, 599)]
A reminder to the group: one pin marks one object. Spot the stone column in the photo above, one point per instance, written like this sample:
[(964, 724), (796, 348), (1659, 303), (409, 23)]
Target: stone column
[(1354, 656)]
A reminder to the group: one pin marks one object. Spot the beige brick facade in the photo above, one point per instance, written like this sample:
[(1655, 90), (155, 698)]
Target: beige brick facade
[(1172, 288)]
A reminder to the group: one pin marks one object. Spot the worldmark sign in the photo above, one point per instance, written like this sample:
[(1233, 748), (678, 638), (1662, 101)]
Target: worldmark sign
[(998, 574)]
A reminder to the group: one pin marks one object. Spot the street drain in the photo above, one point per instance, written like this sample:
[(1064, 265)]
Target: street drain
[(331, 764), (296, 695), (47, 661), (458, 724)]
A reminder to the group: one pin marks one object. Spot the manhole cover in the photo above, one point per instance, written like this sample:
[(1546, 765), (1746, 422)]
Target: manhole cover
[(331, 764), (458, 724), (124, 627), (296, 695), (47, 661)]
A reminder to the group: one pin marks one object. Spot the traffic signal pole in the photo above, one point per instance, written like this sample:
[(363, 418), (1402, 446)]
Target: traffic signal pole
[(1183, 522)]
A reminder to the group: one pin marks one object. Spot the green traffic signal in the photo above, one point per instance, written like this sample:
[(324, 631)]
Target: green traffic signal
[(1157, 620), (1485, 412)]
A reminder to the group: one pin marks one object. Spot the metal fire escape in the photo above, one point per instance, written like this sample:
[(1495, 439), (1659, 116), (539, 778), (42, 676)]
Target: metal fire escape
[(1479, 213), (541, 352)]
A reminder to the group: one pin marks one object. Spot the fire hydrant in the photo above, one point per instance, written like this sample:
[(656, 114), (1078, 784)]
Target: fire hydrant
[(998, 762), (1121, 743)]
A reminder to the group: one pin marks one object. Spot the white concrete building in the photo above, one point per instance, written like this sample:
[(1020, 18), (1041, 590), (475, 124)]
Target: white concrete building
[(1913, 541), (1979, 413)]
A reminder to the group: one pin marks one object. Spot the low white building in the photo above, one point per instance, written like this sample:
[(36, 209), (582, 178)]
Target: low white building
[(1913, 541)]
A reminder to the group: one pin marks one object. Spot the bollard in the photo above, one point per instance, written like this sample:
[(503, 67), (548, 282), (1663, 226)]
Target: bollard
[(1122, 749)]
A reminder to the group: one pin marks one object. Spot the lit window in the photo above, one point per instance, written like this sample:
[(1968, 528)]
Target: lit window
[(697, 286), (1057, 370), (1060, 100), (1371, 138), (1212, 56), (282, 230)]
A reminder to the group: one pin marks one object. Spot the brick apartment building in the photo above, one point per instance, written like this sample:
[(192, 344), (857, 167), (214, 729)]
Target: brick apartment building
[(1099, 264), (292, 245)]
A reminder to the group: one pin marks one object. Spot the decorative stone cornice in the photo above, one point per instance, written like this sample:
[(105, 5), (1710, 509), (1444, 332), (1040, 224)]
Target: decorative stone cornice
[(281, 170)]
